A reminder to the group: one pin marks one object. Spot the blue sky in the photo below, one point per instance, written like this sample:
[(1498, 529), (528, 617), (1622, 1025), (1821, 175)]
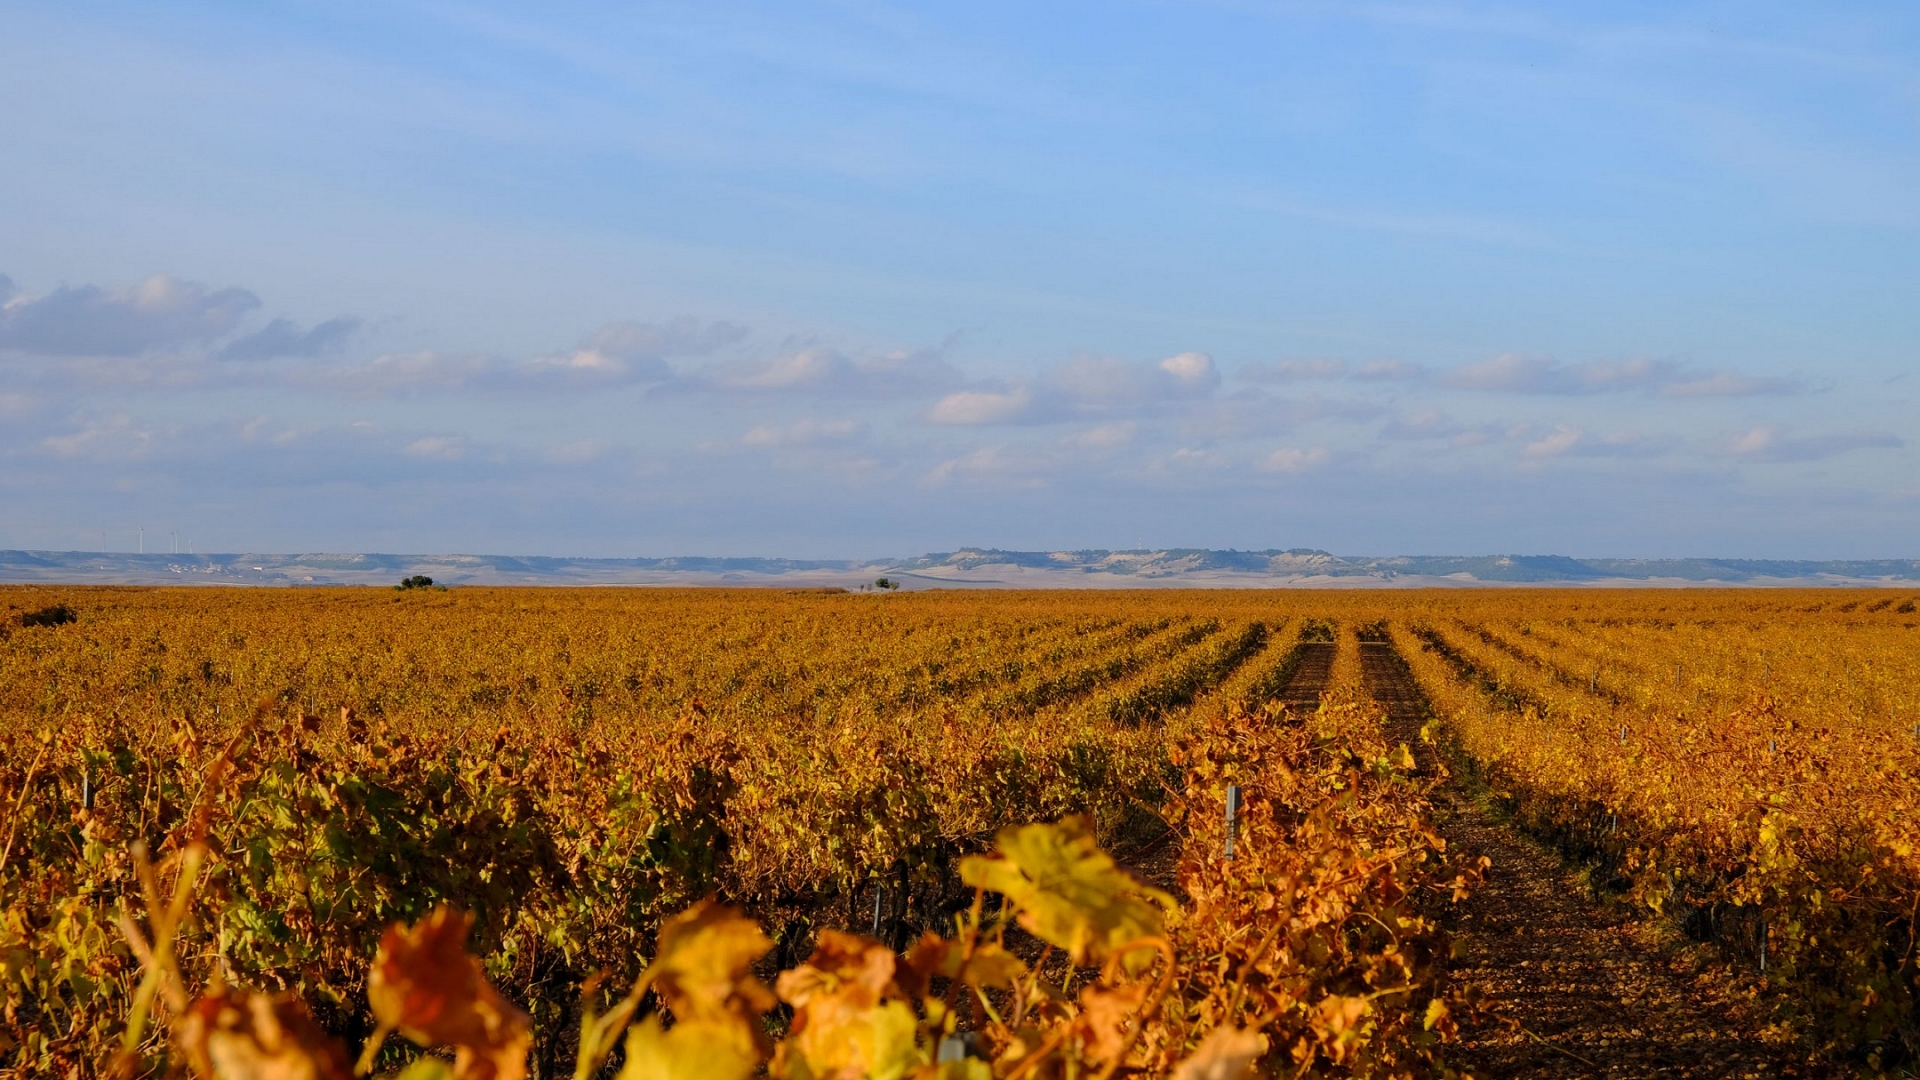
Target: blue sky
[(864, 279)]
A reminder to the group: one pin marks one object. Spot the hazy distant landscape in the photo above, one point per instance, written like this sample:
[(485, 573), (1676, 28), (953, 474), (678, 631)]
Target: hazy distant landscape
[(967, 567)]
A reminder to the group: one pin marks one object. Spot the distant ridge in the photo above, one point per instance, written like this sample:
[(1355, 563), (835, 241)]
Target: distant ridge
[(966, 567)]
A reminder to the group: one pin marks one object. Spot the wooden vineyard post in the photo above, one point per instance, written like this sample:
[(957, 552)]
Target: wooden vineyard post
[(1233, 814)]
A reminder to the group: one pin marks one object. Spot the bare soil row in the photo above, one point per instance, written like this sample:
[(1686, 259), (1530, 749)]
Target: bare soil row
[(1579, 988)]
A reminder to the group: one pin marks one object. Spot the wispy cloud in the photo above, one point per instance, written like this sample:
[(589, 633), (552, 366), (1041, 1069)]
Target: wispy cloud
[(1773, 444), (1519, 373), (980, 407), (437, 448), (1516, 373), (1293, 370), (87, 320), (1568, 440), (1296, 460), (1084, 387), (1105, 437), (820, 370), (1725, 384), (803, 433), (281, 338), (113, 439), (995, 465)]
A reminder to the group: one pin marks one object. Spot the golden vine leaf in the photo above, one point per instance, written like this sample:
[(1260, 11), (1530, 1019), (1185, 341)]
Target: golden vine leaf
[(1068, 892), (427, 986)]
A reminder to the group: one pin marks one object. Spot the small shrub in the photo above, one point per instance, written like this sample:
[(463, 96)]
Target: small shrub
[(57, 615), (417, 581)]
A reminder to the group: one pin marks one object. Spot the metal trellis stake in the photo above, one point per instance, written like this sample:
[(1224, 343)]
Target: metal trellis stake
[(879, 893), (1233, 814)]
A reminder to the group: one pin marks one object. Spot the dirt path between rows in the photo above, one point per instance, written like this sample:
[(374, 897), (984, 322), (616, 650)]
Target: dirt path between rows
[(1584, 990), (1309, 677)]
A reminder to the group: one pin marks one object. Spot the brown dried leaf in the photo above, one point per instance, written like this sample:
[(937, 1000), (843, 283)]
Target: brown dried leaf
[(1104, 1017), (427, 986), (232, 1034), (1227, 1053)]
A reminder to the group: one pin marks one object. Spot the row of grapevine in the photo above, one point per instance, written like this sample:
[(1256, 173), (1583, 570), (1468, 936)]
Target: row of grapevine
[(1784, 834), (783, 770), (1312, 950)]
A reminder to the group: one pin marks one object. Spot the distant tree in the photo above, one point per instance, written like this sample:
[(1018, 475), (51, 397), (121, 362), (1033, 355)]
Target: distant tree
[(886, 583), (417, 581)]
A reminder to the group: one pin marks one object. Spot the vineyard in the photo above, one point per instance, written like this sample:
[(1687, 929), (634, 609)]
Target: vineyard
[(679, 833)]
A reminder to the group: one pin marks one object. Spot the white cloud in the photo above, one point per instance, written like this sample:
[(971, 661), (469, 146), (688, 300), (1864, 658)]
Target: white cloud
[(995, 466), (1104, 437), (808, 367), (1390, 371), (1289, 459), (818, 370), (1085, 387), (1094, 382), (1754, 440), (1422, 424), (1515, 373), (281, 338), (1725, 384), (115, 439), (803, 433), (1294, 370), (1195, 457), (87, 320), (1774, 445), (1192, 371), (976, 407), (634, 351), (1563, 438), (578, 452), (437, 448), (427, 369)]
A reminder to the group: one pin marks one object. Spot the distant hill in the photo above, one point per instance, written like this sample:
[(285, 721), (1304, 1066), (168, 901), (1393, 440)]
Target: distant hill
[(967, 567)]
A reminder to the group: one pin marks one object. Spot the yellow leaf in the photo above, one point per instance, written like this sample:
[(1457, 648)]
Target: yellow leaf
[(702, 967), (1069, 892), (880, 1043), (691, 1050), (1226, 1054), (848, 1019), (990, 967)]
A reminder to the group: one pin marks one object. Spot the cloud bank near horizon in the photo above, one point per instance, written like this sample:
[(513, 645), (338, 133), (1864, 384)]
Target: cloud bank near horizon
[(166, 392)]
